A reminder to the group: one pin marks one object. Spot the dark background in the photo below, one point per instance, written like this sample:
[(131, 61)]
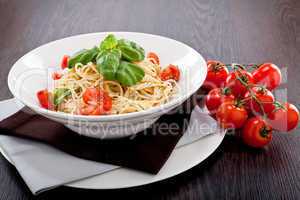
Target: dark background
[(245, 31)]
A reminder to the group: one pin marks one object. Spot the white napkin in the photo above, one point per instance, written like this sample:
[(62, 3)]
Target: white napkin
[(43, 167)]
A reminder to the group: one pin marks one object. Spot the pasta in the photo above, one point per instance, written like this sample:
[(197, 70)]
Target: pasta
[(151, 91)]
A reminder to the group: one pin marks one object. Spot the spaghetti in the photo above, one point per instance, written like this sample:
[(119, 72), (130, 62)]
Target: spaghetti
[(151, 91)]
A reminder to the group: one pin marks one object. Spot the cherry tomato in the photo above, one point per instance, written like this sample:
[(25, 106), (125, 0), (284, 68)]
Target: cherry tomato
[(96, 96), (171, 72), (284, 117), (267, 74), (216, 97), (45, 99), (217, 74), (256, 132), (262, 95), (56, 75), (93, 95), (153, 58), (231, 115), (64, 62), (237, 87)]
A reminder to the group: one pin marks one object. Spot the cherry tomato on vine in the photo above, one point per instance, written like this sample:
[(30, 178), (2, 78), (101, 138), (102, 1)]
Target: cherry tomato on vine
[(256, 132), (231, 115), (217, 74), (263, 99), (285, 117), (153, 58), (237, 87), (216, 97), (267, 74)]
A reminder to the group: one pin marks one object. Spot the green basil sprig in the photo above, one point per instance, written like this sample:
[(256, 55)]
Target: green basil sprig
[(60, 94), (113, 59)]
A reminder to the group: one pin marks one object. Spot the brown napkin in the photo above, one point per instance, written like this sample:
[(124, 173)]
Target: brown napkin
[(146, 151)]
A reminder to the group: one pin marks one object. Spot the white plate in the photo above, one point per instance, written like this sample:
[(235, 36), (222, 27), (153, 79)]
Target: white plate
[(181, 160), (31, 72)]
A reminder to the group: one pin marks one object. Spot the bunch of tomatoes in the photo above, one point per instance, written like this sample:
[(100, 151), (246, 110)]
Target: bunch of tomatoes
[(241, 98)]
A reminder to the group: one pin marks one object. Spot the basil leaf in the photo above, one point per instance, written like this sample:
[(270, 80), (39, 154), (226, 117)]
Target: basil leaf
[(109, 42), (124, 42), (138, 48), (130, 54), (84, 56), (131, 51), (76, 57), (129, 74), (108, 63), (117, 52), (60, 94), (89, 56)]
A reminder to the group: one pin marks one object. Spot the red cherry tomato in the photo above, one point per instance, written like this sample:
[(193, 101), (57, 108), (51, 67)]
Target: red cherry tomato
[(262, 95), (45, 99), (64, 62), (231, 115), (256, 132), (217, 74), (153, 58), (237, 87), (92, 95), (96, 96), (216, 97), (267, 74), (56, 75), (171, 72), (284, 117)]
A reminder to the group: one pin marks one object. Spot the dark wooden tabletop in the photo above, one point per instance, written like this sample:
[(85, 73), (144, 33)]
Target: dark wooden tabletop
[(244, 31)]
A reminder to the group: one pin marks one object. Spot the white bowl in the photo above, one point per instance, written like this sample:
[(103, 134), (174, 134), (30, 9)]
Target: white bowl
[(30, 74)]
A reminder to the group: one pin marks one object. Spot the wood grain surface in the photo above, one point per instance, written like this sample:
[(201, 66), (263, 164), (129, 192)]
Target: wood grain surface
[(244, 31)]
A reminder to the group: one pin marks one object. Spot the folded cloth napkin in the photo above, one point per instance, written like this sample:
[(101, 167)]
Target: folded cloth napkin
[(146, 151), (44, 167)]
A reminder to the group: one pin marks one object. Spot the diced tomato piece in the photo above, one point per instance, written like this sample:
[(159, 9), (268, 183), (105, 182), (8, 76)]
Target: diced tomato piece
[(98, 102), (64, 62), (153, 57), (45, 99), (93, 95), (107, 102), (171, 72), (56, 75)]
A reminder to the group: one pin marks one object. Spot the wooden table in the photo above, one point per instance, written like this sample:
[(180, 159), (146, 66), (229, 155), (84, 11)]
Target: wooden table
[(244, 31)]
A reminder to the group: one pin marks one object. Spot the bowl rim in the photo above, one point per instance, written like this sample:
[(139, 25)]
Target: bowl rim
[(113, 117)]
